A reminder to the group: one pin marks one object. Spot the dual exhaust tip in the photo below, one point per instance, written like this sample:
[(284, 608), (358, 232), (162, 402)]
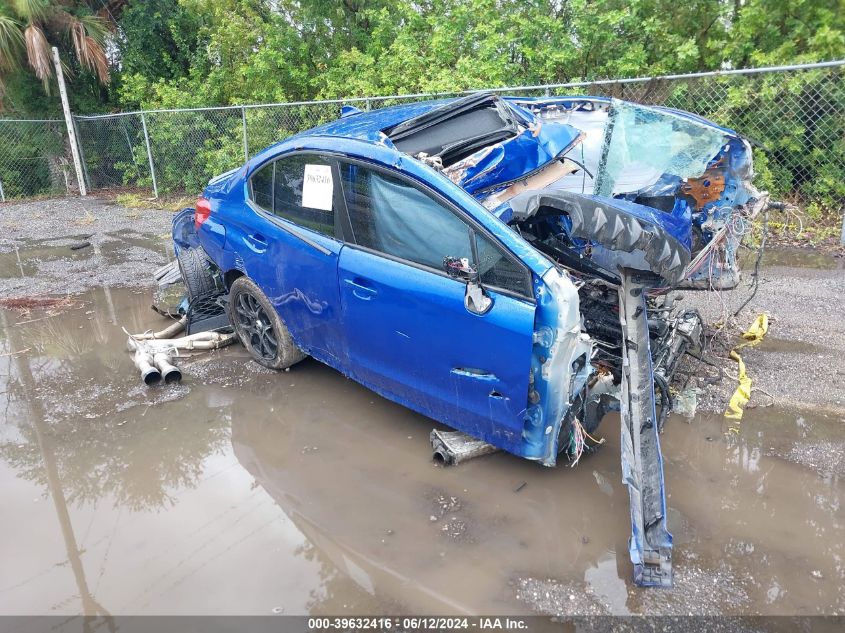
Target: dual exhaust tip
[(155, 367)]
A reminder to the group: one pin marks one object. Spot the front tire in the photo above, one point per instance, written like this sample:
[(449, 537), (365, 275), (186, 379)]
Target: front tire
[(259, 327)]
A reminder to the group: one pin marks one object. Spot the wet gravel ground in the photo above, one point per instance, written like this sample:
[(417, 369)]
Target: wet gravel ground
[(799, 367), (68, 245), (705, 592), (802, 358)]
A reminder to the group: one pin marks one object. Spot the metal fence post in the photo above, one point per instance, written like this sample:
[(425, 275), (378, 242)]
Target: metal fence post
[(74, 148), (2, 193), (149, 154), (841, 239), (82, 154), (246, 143)]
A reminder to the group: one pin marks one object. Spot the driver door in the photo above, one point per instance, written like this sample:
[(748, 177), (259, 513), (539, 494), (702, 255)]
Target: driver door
[(409, 333)]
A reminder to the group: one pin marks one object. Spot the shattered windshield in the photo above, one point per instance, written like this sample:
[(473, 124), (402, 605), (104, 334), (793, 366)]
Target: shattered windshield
[(643, 144)]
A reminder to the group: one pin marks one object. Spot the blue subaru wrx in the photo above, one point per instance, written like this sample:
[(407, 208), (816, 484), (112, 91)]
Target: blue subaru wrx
[(500, 264)]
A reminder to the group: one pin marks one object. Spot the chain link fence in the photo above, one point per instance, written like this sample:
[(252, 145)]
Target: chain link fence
[(35, 159), (795, 117)]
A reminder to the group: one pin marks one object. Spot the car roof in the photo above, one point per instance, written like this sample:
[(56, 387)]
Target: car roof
[(368, 125), (364, 127)]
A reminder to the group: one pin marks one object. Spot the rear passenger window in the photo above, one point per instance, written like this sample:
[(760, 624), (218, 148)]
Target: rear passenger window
[(395, 218), (299, 188), (262, 187)]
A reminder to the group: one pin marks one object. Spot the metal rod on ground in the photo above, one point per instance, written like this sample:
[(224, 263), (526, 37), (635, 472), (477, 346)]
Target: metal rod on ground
[(74, 147), (149, 154), (246, 143)]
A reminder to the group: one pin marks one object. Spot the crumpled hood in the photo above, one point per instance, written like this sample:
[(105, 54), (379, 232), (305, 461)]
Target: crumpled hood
[(500, 164)]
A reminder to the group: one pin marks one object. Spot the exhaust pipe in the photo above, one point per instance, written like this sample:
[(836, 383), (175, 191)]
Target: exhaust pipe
[(144, 362), (198, 341), (169, 372), (168, 332)]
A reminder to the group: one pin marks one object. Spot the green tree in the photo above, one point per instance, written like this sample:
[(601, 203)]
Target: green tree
[(158, 39), (775, 32), (28, 28)]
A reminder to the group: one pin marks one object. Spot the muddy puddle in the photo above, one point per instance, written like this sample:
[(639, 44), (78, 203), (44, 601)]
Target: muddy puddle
[(249, 491), (79, 261)]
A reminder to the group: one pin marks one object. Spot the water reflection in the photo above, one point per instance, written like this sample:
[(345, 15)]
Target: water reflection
[(354, 473), (348, 514), (44, 451), (78, 425), (110, 439)]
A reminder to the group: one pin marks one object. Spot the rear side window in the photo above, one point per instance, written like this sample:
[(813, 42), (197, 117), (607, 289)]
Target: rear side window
[(299, 188), (262, 187), (393, 217)]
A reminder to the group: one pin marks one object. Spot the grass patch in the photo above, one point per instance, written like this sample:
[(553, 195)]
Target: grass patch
[(132, 200), (796, 227)]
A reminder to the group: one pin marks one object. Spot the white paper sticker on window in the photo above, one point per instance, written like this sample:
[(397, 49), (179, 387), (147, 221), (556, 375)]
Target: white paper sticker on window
[(317, 187)]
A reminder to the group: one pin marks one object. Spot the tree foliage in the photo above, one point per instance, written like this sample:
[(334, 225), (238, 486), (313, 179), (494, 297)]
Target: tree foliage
[(170, 53), (191, 53), (29, 28)]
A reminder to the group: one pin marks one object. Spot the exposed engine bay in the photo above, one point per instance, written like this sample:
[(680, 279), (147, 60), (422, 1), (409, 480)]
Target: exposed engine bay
[(630, 203)]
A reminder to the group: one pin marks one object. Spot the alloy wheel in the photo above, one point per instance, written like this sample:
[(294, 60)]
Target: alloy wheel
[(255, 324)]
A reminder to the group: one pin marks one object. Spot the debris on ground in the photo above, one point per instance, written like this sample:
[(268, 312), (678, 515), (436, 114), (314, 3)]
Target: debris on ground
[(685, 402), (752, 336), (453, 447), (24, 305)]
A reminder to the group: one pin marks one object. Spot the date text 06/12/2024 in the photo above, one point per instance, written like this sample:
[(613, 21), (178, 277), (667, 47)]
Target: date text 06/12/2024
[(383, 623)]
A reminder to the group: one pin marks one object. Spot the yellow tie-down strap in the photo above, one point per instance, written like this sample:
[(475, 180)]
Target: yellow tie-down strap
[(752, 336)]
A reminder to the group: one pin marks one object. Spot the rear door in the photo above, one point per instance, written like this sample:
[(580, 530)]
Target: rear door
[(409, 334), (290, 248)]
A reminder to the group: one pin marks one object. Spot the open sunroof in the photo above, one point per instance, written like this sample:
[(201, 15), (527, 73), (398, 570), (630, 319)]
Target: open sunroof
[(457, 129)]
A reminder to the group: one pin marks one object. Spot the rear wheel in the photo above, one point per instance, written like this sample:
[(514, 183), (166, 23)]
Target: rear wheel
[(259, 327)]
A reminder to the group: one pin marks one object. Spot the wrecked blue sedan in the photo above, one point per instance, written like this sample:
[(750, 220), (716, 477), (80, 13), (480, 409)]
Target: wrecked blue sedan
[(501, 265)]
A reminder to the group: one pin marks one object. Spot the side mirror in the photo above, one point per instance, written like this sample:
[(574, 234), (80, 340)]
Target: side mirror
[(460, 268), (475, 298)]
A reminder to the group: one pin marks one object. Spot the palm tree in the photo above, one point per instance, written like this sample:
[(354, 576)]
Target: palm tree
[(28, 28)]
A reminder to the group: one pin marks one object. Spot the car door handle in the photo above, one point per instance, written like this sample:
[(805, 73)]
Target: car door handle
[(257, 241), (361, 288)]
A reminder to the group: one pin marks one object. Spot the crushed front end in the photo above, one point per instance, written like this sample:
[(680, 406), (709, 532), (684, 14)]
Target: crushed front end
[(629, 203)]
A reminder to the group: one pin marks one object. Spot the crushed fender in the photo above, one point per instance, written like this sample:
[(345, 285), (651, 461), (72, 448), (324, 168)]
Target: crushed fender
[(753, 335)]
